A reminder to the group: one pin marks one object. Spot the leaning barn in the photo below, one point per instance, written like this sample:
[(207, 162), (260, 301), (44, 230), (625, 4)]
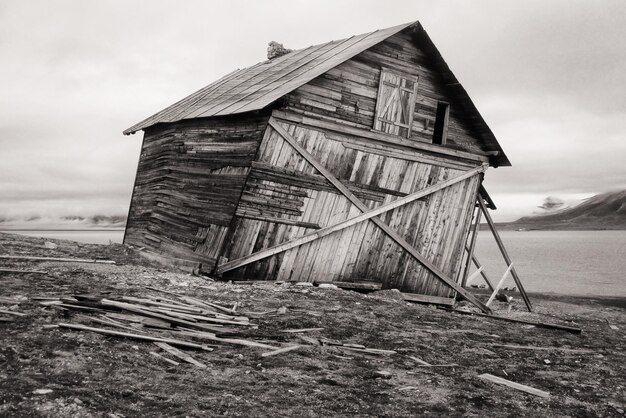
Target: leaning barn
[(355, 160)]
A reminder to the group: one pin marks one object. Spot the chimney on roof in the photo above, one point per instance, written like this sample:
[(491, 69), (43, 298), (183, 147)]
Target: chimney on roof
[(275, 50)]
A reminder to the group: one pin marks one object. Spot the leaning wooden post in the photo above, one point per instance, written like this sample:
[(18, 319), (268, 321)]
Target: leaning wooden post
[(482, 272), (499, 285), (505, 254), (472, 245)]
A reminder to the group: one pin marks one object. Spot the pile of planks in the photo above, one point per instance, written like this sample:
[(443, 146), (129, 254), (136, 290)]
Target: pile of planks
[(174, 321)]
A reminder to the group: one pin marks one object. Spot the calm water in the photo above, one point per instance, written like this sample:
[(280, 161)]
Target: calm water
[(565, 262)]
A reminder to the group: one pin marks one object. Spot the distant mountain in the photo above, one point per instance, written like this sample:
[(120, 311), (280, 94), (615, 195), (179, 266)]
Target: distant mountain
[(63, 222), (603, 211)]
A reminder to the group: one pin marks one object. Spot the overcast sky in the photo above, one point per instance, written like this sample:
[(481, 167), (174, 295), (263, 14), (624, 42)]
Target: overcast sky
[(549, 78)]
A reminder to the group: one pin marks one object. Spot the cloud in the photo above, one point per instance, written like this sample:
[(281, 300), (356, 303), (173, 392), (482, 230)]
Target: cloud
[(547, 77)]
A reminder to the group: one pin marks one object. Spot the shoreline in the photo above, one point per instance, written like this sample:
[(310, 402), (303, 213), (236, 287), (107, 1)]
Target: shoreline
[(605, 300), (103, 229)]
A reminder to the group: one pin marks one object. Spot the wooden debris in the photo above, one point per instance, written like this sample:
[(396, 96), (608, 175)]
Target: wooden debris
[(136, 336), (51, 302), (155, 323), (436, 300), (146, 312), (296, 331), (12, 301), (177, 353), (107, 321), (355, 285), (42, 391), (522, 321), (531, 347), (68, 260), (384, 374), (419, 361), (179, 307), (235, 341), (375, 351), (157, 355), (281, 350), (23, 271), (8, 312), (310, 340), (518, 386)]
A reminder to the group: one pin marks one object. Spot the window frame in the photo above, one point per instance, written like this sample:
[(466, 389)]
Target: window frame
[(381, 108)]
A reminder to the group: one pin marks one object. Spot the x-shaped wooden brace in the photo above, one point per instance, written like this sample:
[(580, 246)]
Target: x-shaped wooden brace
[(367, 214)]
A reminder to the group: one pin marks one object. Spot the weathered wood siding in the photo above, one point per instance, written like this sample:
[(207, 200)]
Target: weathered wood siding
[(332, 117), (189, 181), (284, 184), (347, 94)]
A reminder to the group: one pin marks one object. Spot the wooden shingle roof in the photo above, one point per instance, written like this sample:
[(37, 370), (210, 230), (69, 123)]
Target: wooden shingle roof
[(255, 87), (258, 86)]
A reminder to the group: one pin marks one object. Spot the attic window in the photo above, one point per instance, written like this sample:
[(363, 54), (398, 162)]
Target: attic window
[(395, 103), (440, 134)]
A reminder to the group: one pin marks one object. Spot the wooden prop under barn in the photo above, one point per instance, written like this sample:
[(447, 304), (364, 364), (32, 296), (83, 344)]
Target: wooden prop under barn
[(355, 161)]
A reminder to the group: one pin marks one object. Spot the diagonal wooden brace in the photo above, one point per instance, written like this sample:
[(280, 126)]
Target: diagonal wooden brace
[(505, 254), (367, 214), (268, 252)]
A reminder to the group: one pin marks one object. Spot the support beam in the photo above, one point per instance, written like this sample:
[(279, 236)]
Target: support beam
[(499, 285), (505, 254), (440, 275), (474, 275), (472, 245), (482, 272)]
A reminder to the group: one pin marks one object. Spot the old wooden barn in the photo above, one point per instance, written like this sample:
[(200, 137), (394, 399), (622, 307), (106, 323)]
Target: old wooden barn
[(350, 161)]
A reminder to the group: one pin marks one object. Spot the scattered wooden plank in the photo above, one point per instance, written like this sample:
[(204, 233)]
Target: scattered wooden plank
[(281, 350), (234, 341), (8, 312), (419, 361), (11, 301), (149, 313), (135, 336), (522, 321), (355, 285), (67, 260), (436, 300), (157, 355), (6, 319), (109, 322), (155, 323), (177, 353), (518, 386), (23, 271), (375, 351), (531, 347), (296, 331), (185, 308), (440, 365)]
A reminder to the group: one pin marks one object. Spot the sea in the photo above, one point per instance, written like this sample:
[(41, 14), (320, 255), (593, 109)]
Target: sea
[(582, 263)]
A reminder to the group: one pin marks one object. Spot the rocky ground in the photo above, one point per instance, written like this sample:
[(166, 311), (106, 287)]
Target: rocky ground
[(55, 372)]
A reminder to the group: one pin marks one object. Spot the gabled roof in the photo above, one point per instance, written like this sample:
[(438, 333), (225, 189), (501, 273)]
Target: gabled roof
[(255, 87), (258, 86)]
